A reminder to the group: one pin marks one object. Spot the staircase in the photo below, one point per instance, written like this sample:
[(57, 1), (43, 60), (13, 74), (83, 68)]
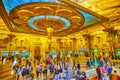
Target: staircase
[(5, 71)]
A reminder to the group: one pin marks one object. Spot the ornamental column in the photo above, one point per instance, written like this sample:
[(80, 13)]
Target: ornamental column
[(88, 40)]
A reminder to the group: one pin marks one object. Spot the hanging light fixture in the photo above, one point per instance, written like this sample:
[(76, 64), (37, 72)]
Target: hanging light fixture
[(49, 32)]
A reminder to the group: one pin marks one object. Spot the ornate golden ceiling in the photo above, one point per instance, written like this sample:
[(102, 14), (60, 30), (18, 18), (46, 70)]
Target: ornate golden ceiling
[(37, 17), (34, 17), (54, 14)]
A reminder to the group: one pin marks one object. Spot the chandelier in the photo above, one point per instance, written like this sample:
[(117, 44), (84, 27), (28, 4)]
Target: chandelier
[(49, 32)]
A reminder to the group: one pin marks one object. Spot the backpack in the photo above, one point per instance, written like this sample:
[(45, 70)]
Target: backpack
[(38, 68), (51, 67), (24, 71)]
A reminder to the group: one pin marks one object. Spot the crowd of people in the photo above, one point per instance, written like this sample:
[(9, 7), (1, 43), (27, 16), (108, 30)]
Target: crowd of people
[(22, 68), (104, 68), (48, 68), (59, 70), (52, 69)]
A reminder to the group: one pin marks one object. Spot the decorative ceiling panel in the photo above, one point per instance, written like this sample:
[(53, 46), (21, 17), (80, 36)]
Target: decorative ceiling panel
[(35, 16), (3, 27)]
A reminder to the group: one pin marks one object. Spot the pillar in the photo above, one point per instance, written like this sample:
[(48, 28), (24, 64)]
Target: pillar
[(88, 37), (74, 44)]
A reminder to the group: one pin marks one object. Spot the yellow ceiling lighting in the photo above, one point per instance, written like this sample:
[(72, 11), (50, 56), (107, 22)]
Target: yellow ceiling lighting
[(64, 10), (24, 10), (49, 30)]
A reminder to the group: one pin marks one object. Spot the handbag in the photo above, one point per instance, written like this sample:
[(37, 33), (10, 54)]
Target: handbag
[(44, 71), (65, 68)]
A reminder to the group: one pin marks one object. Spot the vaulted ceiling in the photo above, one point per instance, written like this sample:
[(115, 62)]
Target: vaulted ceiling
[(67, 24)]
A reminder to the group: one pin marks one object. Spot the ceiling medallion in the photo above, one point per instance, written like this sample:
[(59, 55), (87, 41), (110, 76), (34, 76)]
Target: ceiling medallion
[(36, 16), (39, 16), (44, 22)]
